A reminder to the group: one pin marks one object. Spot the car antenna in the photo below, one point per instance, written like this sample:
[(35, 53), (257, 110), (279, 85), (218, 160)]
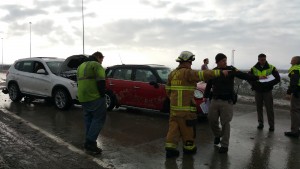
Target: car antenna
[(121, 59)]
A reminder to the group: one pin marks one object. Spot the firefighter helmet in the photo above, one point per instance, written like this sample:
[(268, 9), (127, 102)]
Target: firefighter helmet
[(185, 56)]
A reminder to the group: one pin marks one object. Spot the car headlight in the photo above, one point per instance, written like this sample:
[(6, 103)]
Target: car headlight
[(198, 94)]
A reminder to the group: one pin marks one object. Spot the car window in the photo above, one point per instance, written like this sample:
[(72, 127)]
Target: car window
[(54, 66), (25, 66), (144, 75), (38, 66), (124, 74), (163, 74), (108, 72)]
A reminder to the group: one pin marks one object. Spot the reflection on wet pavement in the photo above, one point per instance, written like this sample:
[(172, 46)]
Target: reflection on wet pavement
[(135, 139)]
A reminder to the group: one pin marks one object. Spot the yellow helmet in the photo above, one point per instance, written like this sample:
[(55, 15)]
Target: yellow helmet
[(185, 56)]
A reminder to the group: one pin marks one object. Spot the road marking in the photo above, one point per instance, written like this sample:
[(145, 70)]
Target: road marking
[(60, 141)]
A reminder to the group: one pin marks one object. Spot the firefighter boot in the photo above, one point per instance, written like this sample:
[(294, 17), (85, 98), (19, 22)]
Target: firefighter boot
[(170, 153), (189, 148)]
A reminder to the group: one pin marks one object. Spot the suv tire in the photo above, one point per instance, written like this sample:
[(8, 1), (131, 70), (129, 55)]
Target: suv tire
[(62, 99), (110, 101), (14, 92)]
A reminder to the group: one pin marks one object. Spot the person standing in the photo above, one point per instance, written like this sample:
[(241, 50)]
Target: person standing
[(293, 94), (221, 105), (205, 65), (263, 90), (180, 88), (91, 95)]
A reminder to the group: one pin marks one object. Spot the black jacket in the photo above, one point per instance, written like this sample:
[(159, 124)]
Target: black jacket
[(266, 86), (223, 87), (293, 87)]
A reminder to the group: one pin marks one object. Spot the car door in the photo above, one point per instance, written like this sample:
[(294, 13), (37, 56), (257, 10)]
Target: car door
[(120, 83), (24, 76), (147, 93), (41, 80)]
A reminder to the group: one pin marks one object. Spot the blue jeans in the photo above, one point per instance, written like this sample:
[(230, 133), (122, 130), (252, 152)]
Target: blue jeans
[(94, 118)]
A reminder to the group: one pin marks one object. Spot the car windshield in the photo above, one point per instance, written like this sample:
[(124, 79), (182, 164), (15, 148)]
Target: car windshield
[(54, 66), (163, 73)]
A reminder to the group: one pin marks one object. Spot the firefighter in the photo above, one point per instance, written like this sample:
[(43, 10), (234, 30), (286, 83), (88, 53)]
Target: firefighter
[(180, 88)]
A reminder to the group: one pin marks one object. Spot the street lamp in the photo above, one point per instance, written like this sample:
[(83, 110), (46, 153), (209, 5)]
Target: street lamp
[(82, 27), (232, 57), (30, 39), (2, 55)]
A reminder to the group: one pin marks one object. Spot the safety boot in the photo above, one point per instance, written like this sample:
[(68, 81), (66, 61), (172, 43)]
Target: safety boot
[(189, 148), (170, 153)]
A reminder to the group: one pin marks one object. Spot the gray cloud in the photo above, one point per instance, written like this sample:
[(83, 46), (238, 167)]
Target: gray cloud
[(17, 12), (46, 4), (158, 4)]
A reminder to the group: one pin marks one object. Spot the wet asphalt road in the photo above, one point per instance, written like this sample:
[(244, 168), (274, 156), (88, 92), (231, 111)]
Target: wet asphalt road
[(135, 139)]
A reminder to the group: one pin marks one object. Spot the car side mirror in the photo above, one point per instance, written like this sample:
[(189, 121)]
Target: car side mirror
[(153, 83), (41, 71)]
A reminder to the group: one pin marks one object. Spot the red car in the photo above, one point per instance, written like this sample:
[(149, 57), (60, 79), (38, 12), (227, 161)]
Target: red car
[(142, 86)]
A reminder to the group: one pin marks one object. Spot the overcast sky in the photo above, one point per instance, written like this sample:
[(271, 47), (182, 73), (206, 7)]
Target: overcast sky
[(153, 31)]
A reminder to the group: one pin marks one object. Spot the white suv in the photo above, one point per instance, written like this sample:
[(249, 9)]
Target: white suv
[(48, 78)]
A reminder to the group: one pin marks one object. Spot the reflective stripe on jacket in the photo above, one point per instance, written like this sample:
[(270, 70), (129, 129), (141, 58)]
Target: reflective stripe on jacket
[(181, 85)]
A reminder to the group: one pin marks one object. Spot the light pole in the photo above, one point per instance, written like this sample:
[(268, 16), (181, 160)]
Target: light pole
[(232, 57), (2, 55), (30, 39), (82, 27)]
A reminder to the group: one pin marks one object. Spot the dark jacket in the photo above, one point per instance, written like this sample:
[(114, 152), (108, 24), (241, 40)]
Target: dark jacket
[(223, 87), (293, 87), (265, 86)]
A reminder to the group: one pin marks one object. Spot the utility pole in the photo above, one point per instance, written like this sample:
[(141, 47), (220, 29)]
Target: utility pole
[(2, 55), (30, 39), (82, 27), (232, 57)]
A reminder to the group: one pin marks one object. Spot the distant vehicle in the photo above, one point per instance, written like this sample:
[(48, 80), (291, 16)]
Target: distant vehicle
[(142, 86), (48, 78)]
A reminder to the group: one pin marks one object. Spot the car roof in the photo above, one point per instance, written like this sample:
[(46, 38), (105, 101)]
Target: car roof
[(46, 59), (138, 66)]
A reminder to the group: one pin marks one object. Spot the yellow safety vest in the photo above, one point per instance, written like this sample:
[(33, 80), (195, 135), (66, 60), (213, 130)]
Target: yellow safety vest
[(265, 72), (295, 67)]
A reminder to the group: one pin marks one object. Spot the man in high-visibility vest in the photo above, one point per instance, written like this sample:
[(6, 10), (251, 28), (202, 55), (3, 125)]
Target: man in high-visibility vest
[(180, 88), (263, 90), (91, 95), (293, 94)]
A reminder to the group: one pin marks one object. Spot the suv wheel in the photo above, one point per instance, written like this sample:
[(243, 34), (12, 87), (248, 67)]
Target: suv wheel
[(110, 101), (14, 92), (62, 99)]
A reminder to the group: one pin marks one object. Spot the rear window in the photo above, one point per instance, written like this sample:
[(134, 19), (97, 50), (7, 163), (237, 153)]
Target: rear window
[(24, 66)]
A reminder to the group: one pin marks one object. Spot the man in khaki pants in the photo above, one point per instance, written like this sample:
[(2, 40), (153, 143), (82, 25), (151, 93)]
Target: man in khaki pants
[(263, 90), (221, 105), (293, 94)]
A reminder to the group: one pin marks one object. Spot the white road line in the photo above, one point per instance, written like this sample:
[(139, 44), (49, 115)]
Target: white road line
[(60, 141)]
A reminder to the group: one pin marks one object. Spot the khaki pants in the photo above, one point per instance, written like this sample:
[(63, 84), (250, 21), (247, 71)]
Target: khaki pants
[(178, 128), (295, 114), (223, 110), (261, 99)]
